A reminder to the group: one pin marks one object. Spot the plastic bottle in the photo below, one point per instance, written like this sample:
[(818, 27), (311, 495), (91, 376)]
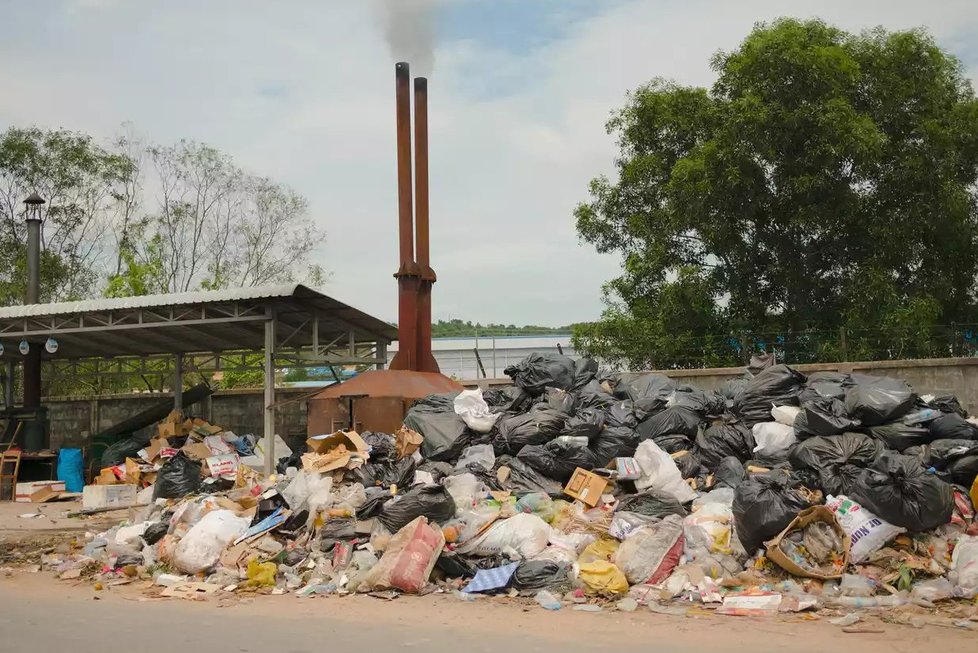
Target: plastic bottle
[(547, 600), (891, 601)]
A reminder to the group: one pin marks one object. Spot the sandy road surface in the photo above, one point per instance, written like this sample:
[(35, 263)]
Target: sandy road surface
[(40, 613)]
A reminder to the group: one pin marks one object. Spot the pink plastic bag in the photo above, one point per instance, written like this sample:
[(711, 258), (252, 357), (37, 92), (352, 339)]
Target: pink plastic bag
[(408, 560)]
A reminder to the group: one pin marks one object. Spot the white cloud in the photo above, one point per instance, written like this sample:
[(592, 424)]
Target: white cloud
[(303, 92)]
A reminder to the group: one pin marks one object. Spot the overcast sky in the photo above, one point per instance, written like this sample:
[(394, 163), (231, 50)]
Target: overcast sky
[(302, 91)]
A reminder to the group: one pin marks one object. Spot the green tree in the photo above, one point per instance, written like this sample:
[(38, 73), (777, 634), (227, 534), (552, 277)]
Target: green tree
[(826, 180), (83, 186)]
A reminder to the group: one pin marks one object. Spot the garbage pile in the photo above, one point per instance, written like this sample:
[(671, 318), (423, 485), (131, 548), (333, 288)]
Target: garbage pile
[(776, 493)]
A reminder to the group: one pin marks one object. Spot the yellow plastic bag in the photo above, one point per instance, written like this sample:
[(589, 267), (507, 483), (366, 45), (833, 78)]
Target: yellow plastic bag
[(974, 493), (603, 549), (602, 577), (261, 574)]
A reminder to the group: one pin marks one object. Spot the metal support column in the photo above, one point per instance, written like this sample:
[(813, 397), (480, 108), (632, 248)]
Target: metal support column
[(270, 396), (178, 382), (381, 355)]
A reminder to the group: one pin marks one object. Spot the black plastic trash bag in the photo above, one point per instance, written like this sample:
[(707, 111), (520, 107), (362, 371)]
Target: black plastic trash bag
[(722, 440), (899, 436), (178, 477), (707, 404), (613, 442), (438, 470), (486, 476), (729, 473), (760, 362), (538, 574), (621, 413), (593, 395), (559, 400), (523, 479), (824, 416), (875, 400), (733, 389), (776, 386), (956, 461), (376, 498), (952, 426), (383, 448), (899, 490), (688, 463), (675, 420), (511, 399), (455, 565), (821, 451), (539, 371), (947, 404), (824, 385), (585, 369), (443, 431), (586, 423), (673, 442), (538, 426), (836, 479), (651, 504), (117, 452), (155, 532), (652, 388), (385, 474), (557, 461), (763, 506), (431, 501)]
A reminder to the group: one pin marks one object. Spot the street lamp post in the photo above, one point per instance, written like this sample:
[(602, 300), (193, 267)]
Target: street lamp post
[(32, 360)]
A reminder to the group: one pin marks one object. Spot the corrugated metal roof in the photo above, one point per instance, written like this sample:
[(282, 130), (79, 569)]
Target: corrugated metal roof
[(152, 301), (111, 327)]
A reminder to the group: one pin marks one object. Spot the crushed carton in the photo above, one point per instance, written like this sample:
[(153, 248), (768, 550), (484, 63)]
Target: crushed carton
[(341, 450), (95, 497), (585, 486), (35, 491)]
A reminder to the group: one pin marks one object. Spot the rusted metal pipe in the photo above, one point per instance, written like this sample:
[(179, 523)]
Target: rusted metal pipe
[(407, 273), (426, 360), (405, 221)]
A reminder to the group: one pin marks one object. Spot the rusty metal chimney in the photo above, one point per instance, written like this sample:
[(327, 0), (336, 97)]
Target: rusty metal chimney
[(426, 360), (407, 274)]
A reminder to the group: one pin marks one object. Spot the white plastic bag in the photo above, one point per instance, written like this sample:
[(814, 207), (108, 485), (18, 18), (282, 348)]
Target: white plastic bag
[(474, 411), (465, 490), (651, 553), (201, 547), (867, 532), (785, 414), (964, 567), (624, 523), (661, 473), (524, 534), (480, 454), (710, 529), (773, 437)]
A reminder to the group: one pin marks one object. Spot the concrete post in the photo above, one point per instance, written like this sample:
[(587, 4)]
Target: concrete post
[(269, 431)]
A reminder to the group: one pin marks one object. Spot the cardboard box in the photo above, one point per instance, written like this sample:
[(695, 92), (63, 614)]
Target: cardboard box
[(169, 429), (406, 442), (108, 475), (108, 496), (24, 491), (337, 451), (586, 487), (196, 450), (808, 516), (152, 451)]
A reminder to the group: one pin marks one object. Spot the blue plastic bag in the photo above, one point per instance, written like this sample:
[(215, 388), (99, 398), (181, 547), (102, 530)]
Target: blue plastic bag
[(71, 469)]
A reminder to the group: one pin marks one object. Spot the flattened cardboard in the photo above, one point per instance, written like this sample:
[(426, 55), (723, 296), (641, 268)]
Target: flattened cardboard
[(196, 450), (321, 446), (406, 442)]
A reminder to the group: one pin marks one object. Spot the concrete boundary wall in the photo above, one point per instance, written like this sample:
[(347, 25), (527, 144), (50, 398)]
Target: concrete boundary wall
[(74, 418)]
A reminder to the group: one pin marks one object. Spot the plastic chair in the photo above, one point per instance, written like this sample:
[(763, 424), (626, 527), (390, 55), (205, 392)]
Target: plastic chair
[(9, 470)]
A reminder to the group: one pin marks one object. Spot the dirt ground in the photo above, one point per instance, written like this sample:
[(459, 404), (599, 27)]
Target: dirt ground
[(38, 612)]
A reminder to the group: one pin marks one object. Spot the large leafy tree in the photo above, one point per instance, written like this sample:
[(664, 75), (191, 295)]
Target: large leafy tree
[(825, 181)]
